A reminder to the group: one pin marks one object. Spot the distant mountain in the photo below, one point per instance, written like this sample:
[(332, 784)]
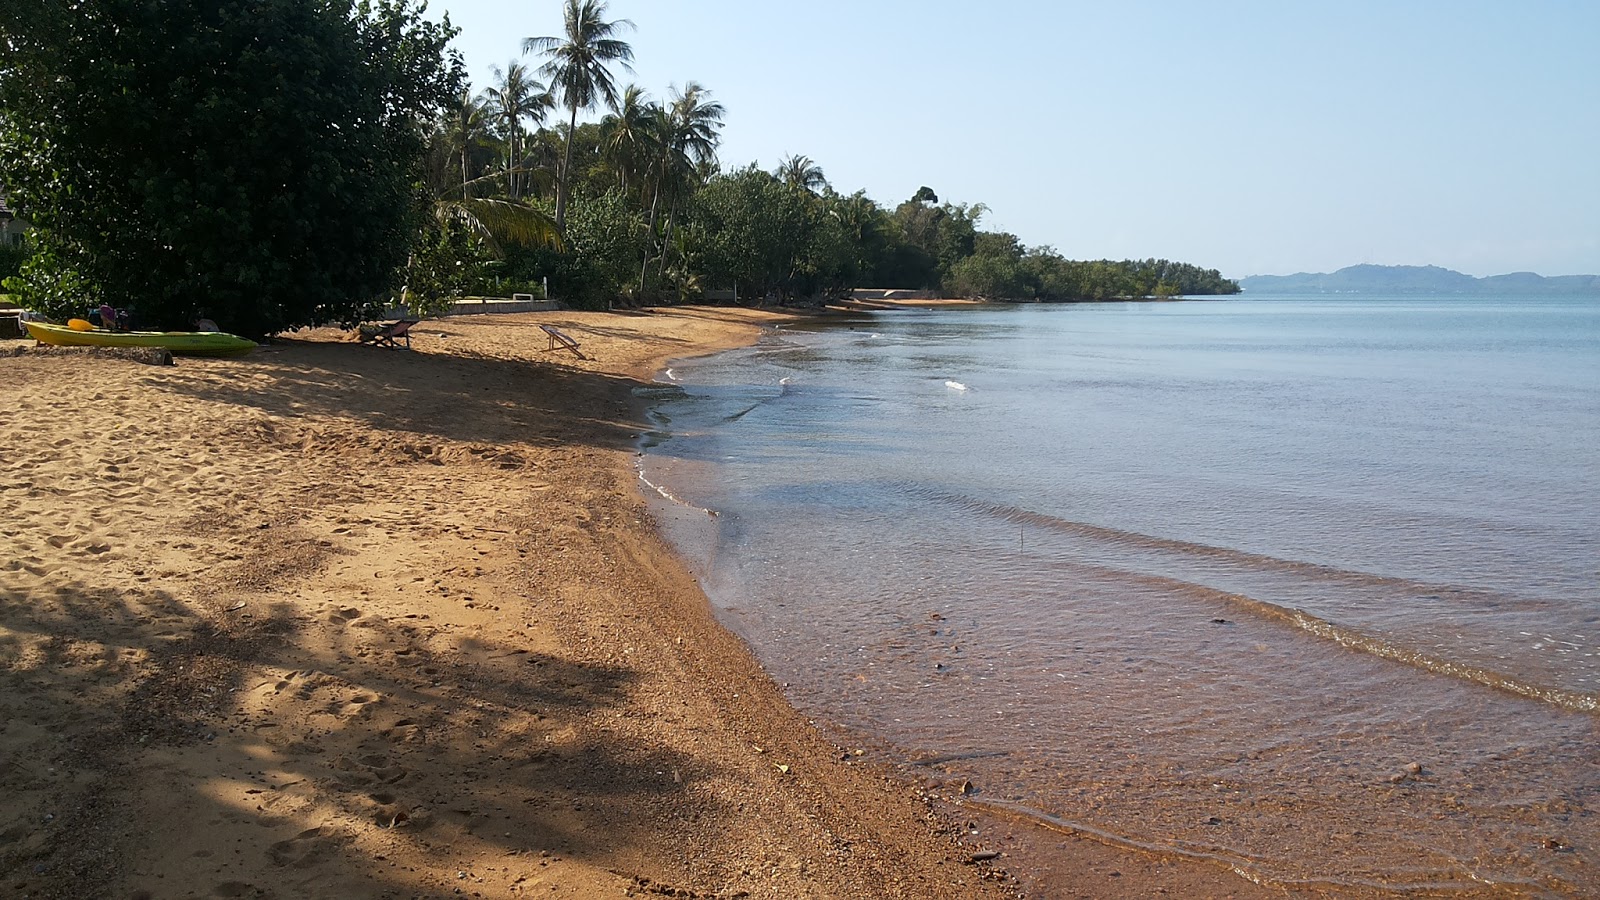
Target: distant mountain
[(1418, 280)]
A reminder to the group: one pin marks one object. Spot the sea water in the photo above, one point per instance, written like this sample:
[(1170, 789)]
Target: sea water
[(1308, 587)]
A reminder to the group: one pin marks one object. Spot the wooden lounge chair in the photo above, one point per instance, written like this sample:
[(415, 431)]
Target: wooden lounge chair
[(560, 341), (389, 335)]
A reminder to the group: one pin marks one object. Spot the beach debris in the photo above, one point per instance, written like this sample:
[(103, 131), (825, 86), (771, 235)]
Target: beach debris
[(783, 768), (968, 788), (1220, 622), (1555, 846), (237, 606)]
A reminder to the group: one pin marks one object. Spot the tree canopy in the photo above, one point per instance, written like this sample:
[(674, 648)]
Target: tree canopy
[(254, 161)]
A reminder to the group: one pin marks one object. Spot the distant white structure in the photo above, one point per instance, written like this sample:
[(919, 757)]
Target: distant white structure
[(11, 228)]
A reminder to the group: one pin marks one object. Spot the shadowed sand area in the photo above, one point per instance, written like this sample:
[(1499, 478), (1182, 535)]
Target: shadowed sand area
[(339, 621)]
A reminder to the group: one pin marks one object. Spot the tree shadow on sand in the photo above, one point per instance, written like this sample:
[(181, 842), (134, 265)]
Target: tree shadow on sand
[(254, 721), (466, 398)]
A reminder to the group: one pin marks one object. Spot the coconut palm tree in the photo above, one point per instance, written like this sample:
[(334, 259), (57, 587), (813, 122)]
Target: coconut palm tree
[(457, 206), (800, 173), (496, 221), (631, 136), (516, 95), (465, 130), (575, 68), (691, 126)]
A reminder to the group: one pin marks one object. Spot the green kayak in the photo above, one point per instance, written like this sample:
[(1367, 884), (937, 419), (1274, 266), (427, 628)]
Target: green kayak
[(181, 343)]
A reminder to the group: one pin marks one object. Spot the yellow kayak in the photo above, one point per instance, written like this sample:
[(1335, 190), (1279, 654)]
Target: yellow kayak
[(181, 343)]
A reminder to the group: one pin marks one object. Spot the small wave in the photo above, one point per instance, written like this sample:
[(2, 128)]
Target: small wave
[(670, 496), (1346, 636), (1350, 638), (955, 386), (670, 376)]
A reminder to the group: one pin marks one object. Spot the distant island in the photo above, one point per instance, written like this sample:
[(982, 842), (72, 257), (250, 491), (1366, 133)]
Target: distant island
[(1368, 279)]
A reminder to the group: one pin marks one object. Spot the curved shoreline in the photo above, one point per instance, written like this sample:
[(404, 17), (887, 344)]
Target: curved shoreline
[(333, 620)]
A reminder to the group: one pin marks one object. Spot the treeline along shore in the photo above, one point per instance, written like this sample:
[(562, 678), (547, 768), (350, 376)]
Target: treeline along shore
[(162, 170)]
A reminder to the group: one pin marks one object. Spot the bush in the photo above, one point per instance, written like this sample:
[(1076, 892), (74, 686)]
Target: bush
[(12, 256)]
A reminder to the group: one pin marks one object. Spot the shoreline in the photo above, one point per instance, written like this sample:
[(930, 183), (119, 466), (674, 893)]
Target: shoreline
[(334, 620)]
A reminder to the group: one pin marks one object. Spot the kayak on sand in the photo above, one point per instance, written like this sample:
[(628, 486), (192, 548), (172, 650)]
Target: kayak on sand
[(181, 343)]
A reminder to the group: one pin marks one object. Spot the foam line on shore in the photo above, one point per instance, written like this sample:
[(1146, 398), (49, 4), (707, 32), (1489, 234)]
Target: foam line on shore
[(1236, 863)]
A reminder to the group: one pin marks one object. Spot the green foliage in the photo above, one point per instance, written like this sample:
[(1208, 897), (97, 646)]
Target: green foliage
[(600, 258), (252, 159), (46, 286), (450, 263), (752, 229), (994, 271), (277, 163), (12, 256)]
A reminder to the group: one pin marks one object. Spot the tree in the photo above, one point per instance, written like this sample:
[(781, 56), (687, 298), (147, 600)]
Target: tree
[(516, 95), (752, 230), (800, 173), (467, 231), (631, 137), (576, 69), (465, 132), (252, 160)]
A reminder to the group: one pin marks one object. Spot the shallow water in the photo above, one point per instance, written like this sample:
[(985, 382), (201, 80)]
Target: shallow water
[(1208, 576)]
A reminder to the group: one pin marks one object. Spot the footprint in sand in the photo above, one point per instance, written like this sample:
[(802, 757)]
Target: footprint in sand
[(344, 616), (356, 707), (301, 851)]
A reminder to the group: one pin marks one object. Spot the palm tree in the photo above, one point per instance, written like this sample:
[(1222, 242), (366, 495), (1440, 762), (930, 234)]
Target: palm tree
[(800, 173), (465, 130), (576, 69), (631, 137), (514, 96), (691, 127), (455, 203)]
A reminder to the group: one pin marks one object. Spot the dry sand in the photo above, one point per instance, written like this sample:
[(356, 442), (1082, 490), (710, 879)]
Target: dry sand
[(339, 621)]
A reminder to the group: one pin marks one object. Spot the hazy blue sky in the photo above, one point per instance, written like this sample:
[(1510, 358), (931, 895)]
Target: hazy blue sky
[(1255, 137)]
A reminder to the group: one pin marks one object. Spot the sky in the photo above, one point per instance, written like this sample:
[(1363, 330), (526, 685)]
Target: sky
[(1252, 137)]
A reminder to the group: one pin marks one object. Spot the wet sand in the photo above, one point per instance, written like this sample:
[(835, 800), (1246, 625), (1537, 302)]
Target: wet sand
[(334, 620)]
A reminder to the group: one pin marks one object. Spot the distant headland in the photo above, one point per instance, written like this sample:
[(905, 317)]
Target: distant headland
[(1368, 279)]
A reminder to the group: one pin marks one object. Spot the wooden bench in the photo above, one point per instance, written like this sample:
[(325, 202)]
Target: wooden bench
[(559, 341)]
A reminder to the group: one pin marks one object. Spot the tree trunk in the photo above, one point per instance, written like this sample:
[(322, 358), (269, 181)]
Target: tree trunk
[(566, 177), (666, 237), (650, 229)]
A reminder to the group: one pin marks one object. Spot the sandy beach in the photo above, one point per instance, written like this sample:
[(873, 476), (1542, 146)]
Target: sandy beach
[(339, 621)]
